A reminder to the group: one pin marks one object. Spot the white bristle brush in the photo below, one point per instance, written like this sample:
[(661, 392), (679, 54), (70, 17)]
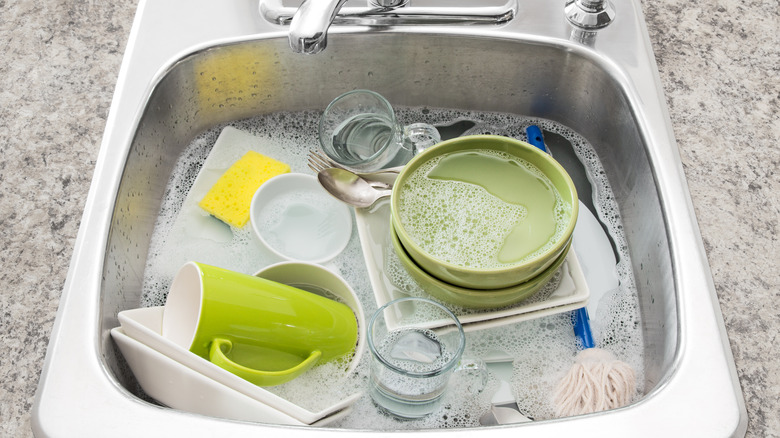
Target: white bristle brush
[(597, 381)]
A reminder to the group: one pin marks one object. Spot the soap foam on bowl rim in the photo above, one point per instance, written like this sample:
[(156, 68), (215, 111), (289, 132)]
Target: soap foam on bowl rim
[(296, 219)]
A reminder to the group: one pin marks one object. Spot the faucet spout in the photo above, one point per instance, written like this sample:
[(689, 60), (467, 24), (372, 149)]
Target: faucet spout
[(309, 25)]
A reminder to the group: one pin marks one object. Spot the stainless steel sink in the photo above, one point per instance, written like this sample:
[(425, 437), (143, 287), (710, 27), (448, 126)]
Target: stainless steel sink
[(603, 85)]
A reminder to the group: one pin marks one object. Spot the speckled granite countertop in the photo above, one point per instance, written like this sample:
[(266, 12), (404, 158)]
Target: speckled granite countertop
[(719, 64)]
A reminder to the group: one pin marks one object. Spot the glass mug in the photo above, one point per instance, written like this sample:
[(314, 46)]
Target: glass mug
[(416, 345), (359, 130)]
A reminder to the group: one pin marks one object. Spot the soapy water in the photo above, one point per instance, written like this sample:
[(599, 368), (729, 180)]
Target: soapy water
[(542, 349), (300, 225), (481, 229)]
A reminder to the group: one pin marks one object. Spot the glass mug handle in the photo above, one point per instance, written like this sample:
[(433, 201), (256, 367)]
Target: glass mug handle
[(218, 357), (473, 373), (419, 136)]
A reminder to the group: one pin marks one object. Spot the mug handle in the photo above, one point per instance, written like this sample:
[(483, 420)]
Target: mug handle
[(258, 377)]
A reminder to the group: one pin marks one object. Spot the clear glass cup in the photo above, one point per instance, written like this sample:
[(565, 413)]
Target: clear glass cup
[(415, 345), (359, 130)]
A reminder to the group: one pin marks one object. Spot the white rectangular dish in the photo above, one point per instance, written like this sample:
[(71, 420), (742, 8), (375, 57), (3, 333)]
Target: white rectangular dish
[(144, 325), (194, 234), (179, 387)]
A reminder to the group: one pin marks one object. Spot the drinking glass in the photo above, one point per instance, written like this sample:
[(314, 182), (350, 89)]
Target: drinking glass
[(415, 345), (359, 130)]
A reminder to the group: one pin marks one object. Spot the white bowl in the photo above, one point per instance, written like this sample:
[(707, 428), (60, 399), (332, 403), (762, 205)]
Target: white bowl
[(296, 219)]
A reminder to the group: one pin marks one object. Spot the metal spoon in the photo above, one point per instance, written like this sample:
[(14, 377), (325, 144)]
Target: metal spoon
[(318, 162), (353, 189)]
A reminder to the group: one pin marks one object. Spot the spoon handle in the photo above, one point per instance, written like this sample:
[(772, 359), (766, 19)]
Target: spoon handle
[(387, 176), (396, 169)]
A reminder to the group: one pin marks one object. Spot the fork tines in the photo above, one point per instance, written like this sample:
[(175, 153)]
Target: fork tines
[(318, 162)]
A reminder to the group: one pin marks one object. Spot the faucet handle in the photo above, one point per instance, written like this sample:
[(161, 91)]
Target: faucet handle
[(589, 14), (388, 3)]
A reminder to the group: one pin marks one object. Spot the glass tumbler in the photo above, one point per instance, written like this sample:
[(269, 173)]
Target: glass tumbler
[(415, 346), (359, 130)]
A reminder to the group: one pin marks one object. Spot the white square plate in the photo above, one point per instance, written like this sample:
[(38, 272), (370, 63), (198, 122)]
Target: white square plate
[(382, 263)]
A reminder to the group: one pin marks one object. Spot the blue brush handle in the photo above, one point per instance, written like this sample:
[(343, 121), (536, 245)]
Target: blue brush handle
[(535, 137), (582, 327), (579, 317)]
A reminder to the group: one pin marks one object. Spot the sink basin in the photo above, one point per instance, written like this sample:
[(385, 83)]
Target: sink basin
[(225, 63)]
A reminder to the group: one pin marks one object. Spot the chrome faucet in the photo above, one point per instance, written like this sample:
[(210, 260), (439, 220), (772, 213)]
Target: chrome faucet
[(309, 25), (310, 22)]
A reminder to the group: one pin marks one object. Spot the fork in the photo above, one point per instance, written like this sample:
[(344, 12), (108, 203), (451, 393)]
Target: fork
[(319, 162)]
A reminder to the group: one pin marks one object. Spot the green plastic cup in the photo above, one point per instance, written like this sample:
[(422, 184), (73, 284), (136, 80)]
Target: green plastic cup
[(265, 332)]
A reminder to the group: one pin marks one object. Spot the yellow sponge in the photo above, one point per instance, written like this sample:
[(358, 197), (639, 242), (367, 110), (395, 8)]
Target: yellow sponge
[(228, 200)]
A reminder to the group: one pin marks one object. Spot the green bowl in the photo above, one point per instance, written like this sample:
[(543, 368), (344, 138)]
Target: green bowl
[(475, 298), (495, 174)]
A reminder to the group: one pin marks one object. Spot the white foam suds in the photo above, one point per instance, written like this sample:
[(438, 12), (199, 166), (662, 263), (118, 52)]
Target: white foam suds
[(464, 224), (543, 349)]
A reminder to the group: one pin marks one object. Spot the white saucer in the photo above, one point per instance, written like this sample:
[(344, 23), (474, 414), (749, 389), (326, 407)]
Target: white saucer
[(374, 230)]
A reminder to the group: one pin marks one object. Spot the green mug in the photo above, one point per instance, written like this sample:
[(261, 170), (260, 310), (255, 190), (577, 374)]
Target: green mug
[(265, 332)]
